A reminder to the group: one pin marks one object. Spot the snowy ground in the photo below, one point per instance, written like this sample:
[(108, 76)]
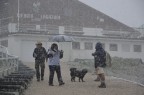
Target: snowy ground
[(114, 86)]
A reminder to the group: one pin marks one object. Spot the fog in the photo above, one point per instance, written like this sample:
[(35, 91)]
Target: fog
[(130, 12), (28, 57)]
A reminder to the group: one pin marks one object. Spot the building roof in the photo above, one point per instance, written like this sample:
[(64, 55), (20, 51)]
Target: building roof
[(63, 13)]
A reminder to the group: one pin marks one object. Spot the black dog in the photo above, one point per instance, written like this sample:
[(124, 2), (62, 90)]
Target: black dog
[(77, 73)]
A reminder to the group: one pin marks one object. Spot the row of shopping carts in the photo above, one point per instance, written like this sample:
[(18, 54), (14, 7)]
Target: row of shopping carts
[(17, 82)]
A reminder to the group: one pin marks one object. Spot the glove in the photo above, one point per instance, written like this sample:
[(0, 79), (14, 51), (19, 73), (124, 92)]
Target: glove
[(50, 55), (93, 54)]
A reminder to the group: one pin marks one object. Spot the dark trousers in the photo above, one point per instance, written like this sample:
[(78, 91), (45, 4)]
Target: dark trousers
[(52, 69), (39, 65)]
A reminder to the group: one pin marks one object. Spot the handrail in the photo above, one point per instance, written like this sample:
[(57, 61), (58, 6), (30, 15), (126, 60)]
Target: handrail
[(8, 63)]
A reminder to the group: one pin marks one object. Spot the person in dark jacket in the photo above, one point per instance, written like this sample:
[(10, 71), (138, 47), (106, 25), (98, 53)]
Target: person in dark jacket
[(108, 63), (40, 55), (54, 56), (100, 63)]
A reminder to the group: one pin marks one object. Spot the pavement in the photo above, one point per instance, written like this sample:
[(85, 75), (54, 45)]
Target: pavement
[(89, 87)]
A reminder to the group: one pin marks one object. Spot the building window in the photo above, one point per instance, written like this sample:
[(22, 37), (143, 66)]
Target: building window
[(113, 47), (88, 46), (125, 48), (75, 45), (137, 48), (101, 20)]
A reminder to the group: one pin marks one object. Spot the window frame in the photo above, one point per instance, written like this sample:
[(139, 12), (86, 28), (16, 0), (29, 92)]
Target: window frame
[(88, 46), (135, 49), (111, 48), (77, 45)]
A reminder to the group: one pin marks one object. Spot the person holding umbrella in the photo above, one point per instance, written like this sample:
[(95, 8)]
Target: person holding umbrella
[(54, 56)]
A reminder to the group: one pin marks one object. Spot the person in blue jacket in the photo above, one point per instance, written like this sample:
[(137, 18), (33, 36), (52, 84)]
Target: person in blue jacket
[(54, 56)]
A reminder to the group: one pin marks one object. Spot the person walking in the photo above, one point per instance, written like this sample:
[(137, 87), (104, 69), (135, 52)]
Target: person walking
[(100, 59), (54, 56), (40, 55)]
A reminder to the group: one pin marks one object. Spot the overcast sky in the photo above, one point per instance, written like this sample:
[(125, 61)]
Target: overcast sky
[(129, 12)]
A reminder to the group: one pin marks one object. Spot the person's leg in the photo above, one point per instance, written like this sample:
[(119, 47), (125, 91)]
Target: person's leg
[(97, 79), (42, 70), (37, 70), (51, 76), (97, 71), (102, 77), (58, 71)]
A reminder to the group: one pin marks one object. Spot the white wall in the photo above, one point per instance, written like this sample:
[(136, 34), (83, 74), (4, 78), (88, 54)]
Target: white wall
[(12, 27), (86, 54), (14, 46), (61, 30), (23, 46), (92, 31)]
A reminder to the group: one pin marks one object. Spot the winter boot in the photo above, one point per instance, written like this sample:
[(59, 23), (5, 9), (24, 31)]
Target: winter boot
[(103, 85)]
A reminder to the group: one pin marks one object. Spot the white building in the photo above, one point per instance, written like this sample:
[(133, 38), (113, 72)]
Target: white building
[(22, 26), (22, 45)]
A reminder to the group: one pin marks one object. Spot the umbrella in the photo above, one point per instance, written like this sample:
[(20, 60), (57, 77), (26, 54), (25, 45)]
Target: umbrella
[(62, 38)]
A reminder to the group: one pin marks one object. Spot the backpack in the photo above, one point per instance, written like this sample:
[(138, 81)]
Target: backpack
[(108, 59)]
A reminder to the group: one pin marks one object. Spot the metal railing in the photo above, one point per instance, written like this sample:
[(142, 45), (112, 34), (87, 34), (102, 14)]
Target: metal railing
[(128, 69), (8, 63)]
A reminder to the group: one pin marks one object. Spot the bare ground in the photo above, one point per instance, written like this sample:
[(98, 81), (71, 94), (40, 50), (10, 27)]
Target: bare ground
[(90, 87)]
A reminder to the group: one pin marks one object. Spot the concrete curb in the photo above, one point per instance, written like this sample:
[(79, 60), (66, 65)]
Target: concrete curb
[(129, 81)]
